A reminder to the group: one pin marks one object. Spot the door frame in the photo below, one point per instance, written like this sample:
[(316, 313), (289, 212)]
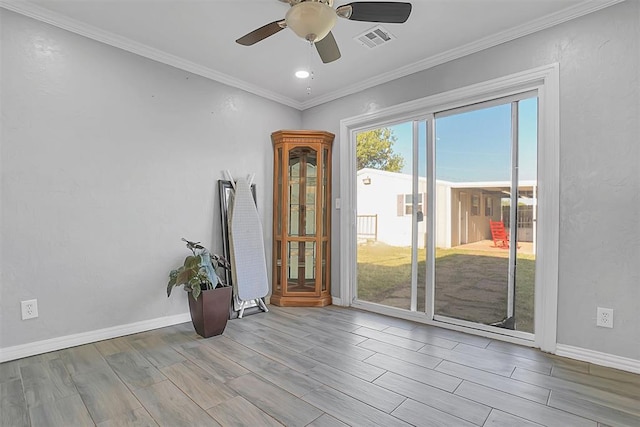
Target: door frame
[(544, 80)]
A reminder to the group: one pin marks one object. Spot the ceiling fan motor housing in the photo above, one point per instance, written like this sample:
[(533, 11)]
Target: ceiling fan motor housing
[(311, 20)]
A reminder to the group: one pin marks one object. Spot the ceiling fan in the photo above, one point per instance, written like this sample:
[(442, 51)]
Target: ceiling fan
[(313, 20)]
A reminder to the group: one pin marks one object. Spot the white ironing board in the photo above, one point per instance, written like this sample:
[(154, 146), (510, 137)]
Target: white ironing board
[(248, 264)]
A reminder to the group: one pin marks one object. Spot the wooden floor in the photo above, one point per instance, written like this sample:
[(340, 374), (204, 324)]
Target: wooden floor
[(316, 367)]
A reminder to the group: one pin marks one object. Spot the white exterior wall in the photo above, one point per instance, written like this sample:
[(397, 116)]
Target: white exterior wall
[(380, 198)]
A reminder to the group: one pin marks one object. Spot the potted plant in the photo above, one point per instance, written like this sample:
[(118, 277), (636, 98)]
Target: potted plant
[(209, 297)]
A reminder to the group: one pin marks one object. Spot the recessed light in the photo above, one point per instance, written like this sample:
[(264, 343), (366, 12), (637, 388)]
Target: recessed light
[(302, 74)]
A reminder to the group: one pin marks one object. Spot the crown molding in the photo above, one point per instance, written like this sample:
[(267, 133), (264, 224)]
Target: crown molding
[(536, 25), (61, 21), (45, 15)]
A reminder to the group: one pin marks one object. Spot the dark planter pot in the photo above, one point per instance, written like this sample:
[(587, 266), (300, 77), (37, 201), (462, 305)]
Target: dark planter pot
[(210, 312)]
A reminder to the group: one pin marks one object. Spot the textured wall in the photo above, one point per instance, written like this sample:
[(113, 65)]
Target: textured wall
[(600, 153), (107, 160)]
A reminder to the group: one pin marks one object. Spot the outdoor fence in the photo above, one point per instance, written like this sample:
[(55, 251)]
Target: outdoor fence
[(367, 227)]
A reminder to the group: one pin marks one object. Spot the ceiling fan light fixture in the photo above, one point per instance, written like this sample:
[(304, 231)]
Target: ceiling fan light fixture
[(302, 74), (311, 20)]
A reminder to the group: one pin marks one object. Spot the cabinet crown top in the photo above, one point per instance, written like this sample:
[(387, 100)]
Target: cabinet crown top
[(302, 135)]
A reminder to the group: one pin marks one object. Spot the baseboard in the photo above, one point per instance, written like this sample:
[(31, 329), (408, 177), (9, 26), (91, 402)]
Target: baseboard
[(598, 358), (53, 344), (336, 301)]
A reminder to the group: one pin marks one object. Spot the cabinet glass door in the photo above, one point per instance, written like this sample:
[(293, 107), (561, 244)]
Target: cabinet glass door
[(301, 261), (302, 191), (301, 253)]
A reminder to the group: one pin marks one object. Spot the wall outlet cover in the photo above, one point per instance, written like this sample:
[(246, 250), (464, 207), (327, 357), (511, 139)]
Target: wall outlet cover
[(29, 309), (604, 317)]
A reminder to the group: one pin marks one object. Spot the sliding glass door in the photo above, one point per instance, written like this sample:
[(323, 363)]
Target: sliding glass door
[(391, 188), (485, 163), (451, 234)]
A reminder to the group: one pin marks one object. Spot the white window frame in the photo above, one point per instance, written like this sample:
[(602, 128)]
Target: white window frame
[(544, 80), (409, 203)]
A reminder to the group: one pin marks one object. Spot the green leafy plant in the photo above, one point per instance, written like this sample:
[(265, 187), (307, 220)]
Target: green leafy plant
[(198, 272)]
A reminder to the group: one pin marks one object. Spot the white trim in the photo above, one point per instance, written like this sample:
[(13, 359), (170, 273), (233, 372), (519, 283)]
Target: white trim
[(423, 319), (414, 217), (476, 93), (45, 15), (52, 344), (348, 213), (502, 101), (548, 215), (430, 273), (337, 301), (545, 80), (531, 27), (598, 358), (78, 27), (513, 211), (469, 325)]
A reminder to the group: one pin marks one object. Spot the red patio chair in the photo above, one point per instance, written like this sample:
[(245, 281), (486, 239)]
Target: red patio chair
[(499, 235)]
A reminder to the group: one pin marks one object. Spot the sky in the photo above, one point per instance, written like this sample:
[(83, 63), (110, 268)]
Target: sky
[(475, 146)]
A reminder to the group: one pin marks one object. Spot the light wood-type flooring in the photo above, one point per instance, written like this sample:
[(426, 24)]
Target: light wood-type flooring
[(312, 367)]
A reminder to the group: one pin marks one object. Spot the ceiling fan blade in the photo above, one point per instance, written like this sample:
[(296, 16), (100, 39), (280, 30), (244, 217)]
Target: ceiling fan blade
[(328, 49), (261, 33), (369, 11)]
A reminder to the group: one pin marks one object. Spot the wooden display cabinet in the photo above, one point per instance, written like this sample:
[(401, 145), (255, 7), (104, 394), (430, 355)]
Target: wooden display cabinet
[(302, 218)]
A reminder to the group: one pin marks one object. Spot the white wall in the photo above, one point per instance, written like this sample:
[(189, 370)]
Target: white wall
[(599, 57), (107, 160)]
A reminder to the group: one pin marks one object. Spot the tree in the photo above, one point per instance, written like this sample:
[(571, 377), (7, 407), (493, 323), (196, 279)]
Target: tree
[(374, 149)]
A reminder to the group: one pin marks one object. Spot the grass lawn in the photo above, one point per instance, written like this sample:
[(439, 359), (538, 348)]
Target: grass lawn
[(470, 285)]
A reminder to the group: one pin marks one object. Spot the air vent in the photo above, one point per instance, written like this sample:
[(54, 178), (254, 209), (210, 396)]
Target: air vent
[(374, 37)]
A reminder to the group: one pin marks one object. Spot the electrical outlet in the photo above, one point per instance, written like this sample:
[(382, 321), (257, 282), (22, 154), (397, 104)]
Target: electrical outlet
[(29, 309), (605, 317)]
